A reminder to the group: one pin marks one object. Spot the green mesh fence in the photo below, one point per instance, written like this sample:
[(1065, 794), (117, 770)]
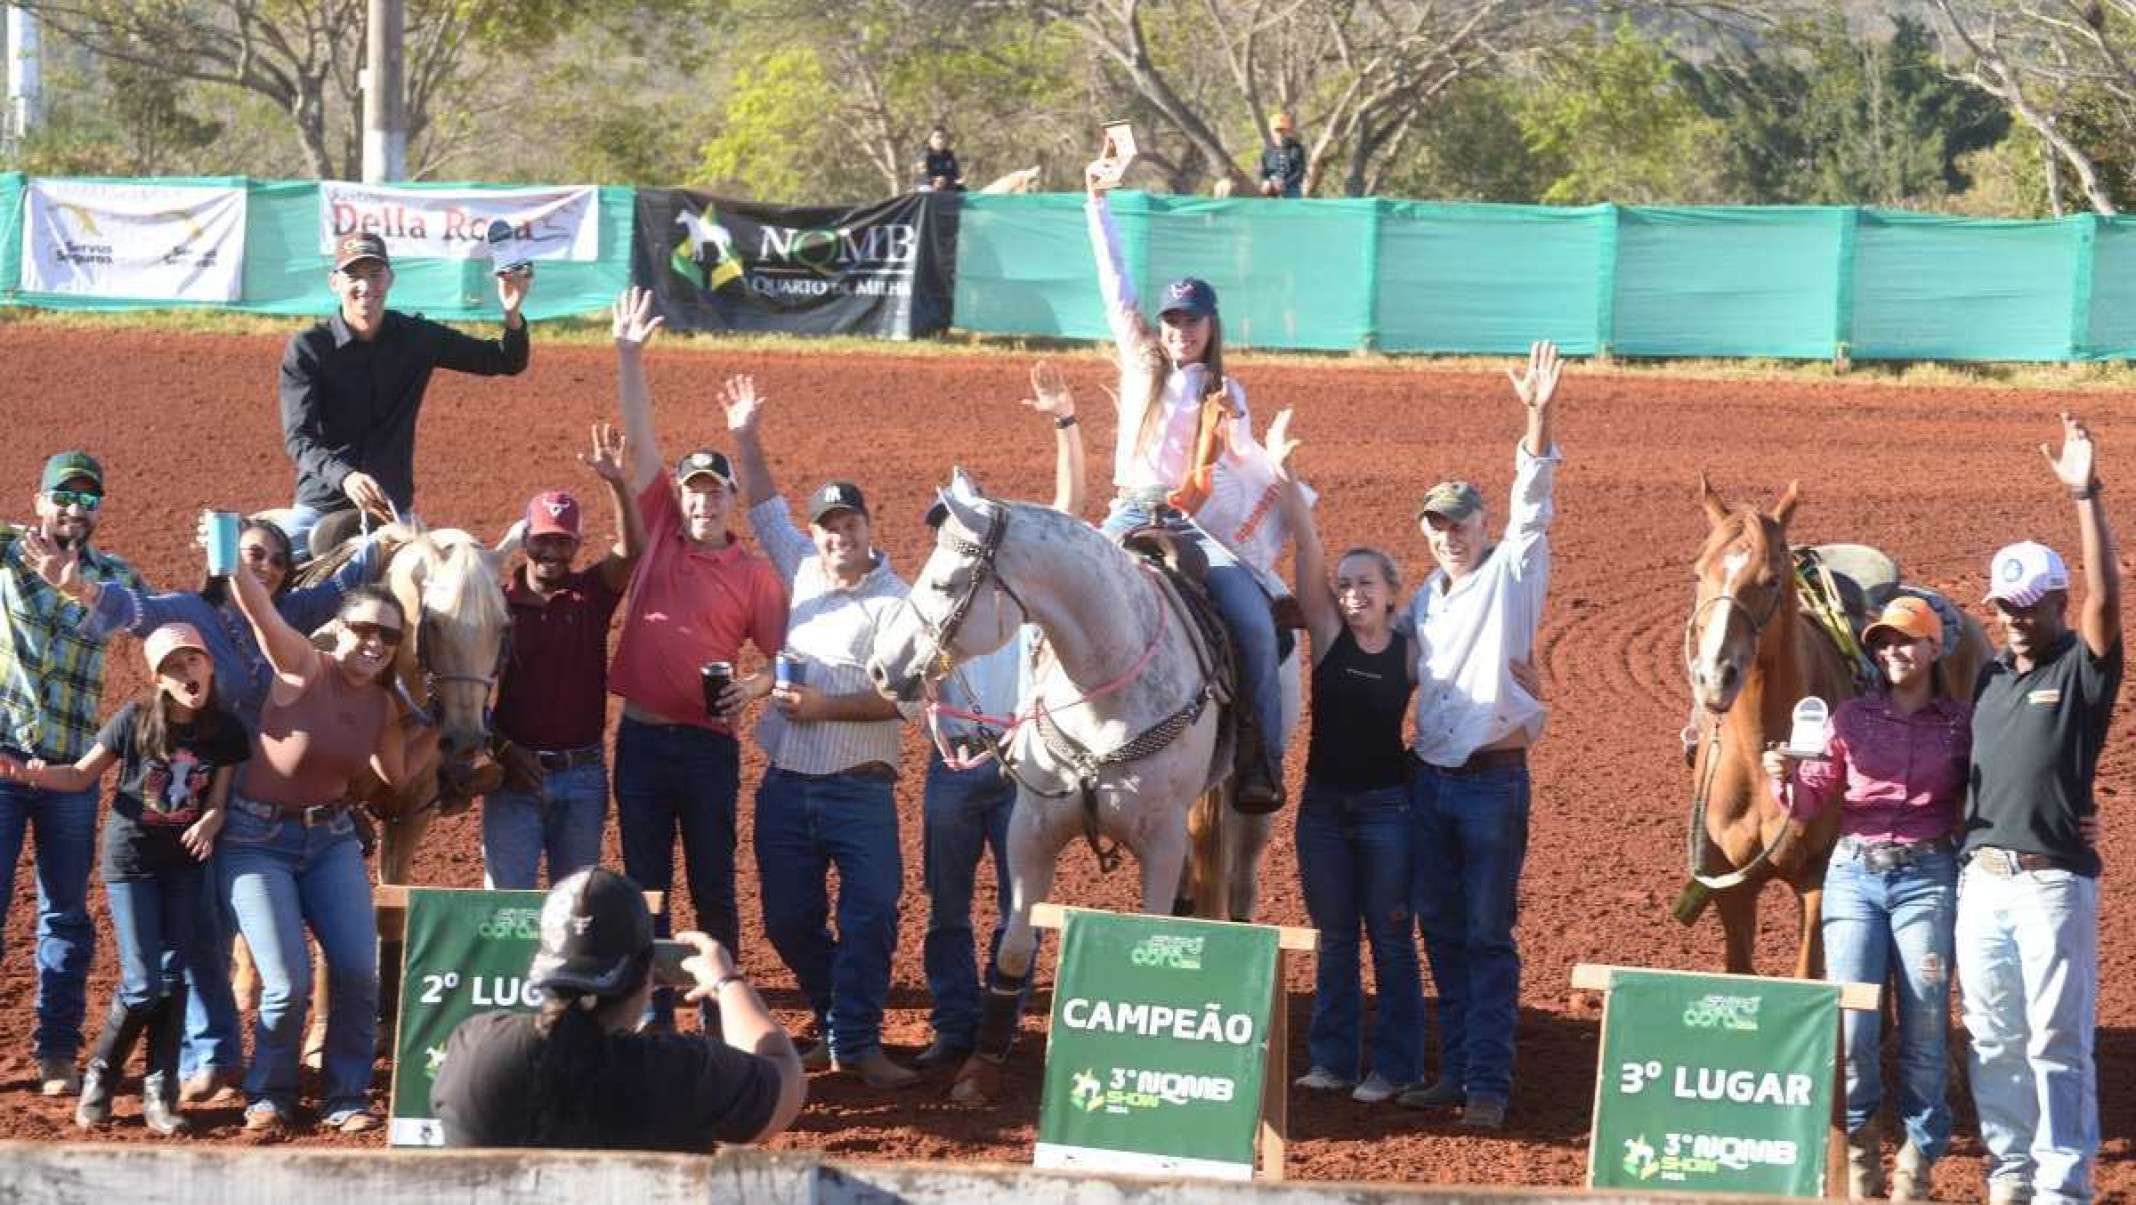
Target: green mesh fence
[(286, 274), (1789, 282)]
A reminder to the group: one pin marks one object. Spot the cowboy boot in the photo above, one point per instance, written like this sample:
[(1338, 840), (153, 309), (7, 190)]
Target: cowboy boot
[(107, 1063), (1256, 790), (1865, 1162), (159, 1088)]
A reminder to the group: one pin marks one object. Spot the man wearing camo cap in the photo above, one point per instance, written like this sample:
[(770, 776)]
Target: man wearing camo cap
[(2028, 900)]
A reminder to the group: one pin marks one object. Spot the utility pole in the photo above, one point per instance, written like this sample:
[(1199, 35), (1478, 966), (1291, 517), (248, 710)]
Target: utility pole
[(385, 115), (25, 86)]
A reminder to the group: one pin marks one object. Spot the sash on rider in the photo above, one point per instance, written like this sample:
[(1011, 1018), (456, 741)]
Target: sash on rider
[(1209, 443)]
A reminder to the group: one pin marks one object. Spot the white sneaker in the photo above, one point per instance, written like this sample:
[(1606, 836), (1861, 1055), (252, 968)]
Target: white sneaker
[(1377, 1089), (1320, 1079)]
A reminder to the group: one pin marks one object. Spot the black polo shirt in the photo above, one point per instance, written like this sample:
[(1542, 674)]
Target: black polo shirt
[(2036, 742)]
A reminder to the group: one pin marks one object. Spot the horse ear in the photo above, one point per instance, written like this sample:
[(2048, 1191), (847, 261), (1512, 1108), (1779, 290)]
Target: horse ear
[(510, 541), (1784, 509), (962, 485), (1716, 510), (966, 504)]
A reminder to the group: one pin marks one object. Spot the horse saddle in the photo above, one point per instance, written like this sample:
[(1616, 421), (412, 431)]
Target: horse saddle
[(1864, 579), (1172, 547)]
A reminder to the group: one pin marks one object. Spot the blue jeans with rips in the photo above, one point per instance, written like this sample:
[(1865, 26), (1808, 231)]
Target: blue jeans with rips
[(1469, 837), (966, 814), (1354, 864), (65, 822), (806, 826), (2028, 968), (562, 820), (1874, 923), (679, 778), (281, 878)]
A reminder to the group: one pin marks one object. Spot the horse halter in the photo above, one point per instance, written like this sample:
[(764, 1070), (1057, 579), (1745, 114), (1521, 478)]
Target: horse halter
[(434, 709), (984, 571), (1729, 598)]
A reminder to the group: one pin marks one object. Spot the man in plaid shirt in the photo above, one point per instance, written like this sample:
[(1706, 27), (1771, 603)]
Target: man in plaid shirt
[(51, 677)]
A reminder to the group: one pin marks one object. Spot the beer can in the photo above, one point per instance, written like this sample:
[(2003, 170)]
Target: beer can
[(222, 528), (716, 676), (787, 670)]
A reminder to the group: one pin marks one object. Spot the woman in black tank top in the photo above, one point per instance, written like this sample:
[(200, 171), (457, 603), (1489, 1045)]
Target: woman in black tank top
[(1353, 821)]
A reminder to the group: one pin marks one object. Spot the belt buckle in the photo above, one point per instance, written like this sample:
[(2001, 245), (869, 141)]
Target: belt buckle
[(318, 814), (1885, 857), (552, 759)]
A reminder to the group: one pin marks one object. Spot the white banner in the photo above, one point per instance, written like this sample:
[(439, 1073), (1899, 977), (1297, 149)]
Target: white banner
[(449, 223), (136, 242)]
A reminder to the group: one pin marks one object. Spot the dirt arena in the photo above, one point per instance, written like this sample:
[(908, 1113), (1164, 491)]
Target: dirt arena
[(1939, 477)]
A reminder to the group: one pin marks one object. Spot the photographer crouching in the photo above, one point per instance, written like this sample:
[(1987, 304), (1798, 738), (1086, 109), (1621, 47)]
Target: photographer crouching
[(579, 1074)]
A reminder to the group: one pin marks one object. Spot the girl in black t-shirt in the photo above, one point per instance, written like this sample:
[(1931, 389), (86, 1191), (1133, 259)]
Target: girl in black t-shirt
[(175, 746)]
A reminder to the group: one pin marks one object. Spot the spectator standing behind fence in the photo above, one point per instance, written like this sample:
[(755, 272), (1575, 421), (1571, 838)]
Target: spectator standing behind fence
[(552, 694), (832, 739), (1282, 161), (939, 170), (211, 1059), (352, 388), (1353, 819), (175, 746), (1473, 621), (2028, 900), (51, 674), (695, 597), (578, 1075), (965, 812), (1896, 765)]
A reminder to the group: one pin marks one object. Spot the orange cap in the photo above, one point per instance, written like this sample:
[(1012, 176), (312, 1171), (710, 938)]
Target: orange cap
[(1910, 617)]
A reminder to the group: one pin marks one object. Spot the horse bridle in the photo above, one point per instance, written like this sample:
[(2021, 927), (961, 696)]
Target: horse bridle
[(984, 572), (1729, 598), (432, 710)]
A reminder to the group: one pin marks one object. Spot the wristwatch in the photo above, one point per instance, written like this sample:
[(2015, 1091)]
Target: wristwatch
[(2089, 492), (720, 984), (1064, 422)]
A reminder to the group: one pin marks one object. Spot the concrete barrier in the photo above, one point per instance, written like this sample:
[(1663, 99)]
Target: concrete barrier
[(70, 1173)]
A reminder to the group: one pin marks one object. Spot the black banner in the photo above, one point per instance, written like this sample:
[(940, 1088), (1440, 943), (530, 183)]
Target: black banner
[(886, 270)]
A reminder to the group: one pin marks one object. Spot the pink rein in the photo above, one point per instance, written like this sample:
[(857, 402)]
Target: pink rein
[(935, 709)]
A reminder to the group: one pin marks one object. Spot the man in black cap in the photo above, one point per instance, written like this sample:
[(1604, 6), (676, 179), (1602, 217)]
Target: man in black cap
[(578, 1074), (352, 387)]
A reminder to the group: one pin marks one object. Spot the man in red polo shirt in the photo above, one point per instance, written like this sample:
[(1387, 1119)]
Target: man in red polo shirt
[(697, 596), (552, 696)]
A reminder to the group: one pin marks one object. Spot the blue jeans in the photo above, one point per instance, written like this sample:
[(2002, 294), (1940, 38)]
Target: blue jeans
[(154, 918), (966, 814), (1468, 837), (211, 1037), (1354, 863), (804, 828), (562, 819), (66, 938), (679, 777), (1871, 920), (280, 877), (1238, 594), (297, 523), (2028, 961)]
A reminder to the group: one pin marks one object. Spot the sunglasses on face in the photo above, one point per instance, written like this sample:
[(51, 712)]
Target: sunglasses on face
[(260, 554), (365, 630), (83, 498)]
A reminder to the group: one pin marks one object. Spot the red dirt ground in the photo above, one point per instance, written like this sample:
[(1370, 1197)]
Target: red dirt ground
[(1939, 477)]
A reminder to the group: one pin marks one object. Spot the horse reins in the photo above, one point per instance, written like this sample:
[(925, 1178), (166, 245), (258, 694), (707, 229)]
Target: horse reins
[(1701, 796)]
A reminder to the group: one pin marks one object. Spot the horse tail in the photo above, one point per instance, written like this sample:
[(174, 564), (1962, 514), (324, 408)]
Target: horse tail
[(1205, 832)]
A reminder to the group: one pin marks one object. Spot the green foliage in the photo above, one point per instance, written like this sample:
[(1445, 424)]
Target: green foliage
[(771, 141), (1609, 122), (1471, 147)]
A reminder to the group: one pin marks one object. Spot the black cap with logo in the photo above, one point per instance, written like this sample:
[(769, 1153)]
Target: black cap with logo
[(837, 495), (350, 248), (596, 936)]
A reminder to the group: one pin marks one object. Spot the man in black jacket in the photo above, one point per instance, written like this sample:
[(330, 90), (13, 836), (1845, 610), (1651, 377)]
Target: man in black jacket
[(1282, 161), (352, 388)]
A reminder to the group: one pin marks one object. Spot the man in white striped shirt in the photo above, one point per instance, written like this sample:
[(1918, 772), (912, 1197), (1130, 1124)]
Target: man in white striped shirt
[(1472, 620), (833, 742)]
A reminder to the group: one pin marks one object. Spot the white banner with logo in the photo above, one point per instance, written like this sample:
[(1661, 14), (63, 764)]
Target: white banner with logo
[(134, 242), (451, 223)]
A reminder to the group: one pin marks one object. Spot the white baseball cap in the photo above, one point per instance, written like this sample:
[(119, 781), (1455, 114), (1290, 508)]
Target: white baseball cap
[(2025, 572)]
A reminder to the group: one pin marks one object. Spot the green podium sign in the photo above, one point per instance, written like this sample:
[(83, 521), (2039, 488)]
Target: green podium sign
[(467, 952), (1714, 1084), (1158, 1050)]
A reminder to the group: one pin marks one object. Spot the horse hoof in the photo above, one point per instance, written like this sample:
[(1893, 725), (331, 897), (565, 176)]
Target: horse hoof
[(977, 1084)]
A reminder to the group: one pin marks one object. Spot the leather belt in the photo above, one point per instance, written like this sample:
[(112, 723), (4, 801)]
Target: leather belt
[(310, 817), (1478, 762), (2009, 863), (567, 759), (1884, 856), (873, 771)]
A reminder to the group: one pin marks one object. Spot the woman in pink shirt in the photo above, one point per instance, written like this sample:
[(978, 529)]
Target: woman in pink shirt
[(1896, 765)]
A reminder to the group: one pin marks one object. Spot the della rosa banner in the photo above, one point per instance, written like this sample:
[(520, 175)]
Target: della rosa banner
[(133, 242), (449, 223), (885, 270)]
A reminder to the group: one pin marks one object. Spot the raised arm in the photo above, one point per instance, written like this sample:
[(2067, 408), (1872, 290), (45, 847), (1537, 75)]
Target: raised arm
[(1535, 461), (744, 406), (2099, 615), (501, 357), (607, 460), (1537, 388), (1123, 311), (634, 325), (1316, 595), (288, 650), (1054, 400)]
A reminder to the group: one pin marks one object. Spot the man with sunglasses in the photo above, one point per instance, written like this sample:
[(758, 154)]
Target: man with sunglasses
[(696, 596), (2028, 899), (51, 676), (352, 388)]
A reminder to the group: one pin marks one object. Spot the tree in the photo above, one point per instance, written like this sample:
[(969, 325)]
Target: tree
[(1610, 123)]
